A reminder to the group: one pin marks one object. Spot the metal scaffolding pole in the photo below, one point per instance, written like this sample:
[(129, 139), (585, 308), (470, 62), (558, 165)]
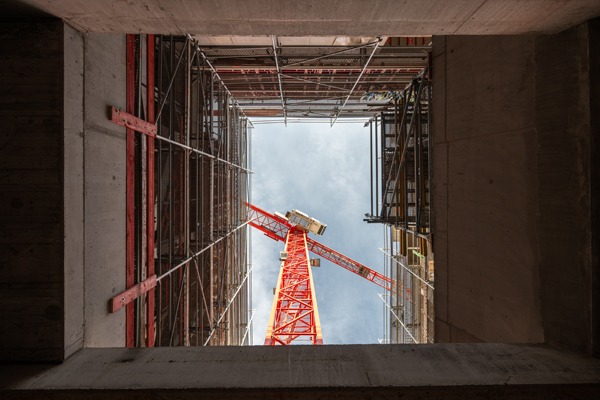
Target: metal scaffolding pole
[(194, 188), (276, 57), (357, 80)]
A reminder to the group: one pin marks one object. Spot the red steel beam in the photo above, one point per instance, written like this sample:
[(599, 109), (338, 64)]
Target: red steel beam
[(348, 263), (130, 184), (125, 298), (132, 123), (270, 224), (150, 187)]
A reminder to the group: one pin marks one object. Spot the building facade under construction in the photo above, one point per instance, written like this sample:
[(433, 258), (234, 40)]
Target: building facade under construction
[(188, 259), (401, 201), (125, 161), (192, 176), (189, 273)]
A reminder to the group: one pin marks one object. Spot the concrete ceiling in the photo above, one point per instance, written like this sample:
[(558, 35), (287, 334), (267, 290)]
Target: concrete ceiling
[(321, 18)]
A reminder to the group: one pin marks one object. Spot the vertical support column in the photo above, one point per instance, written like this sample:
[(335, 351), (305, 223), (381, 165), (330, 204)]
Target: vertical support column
[(130, 183), (371, 161), (211, 208), (294, 316), (150, 85), (376, 169), (417, 155), (186, 194)]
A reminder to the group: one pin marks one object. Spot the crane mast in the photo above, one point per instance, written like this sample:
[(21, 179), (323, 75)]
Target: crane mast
[(294, 316)]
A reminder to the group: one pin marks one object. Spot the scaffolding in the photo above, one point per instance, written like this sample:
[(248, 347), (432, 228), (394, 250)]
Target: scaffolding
[(188, 255), (401, 200), (189, 272), (287, 79)]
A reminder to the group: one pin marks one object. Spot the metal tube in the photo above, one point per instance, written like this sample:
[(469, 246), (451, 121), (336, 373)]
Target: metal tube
[(227, 307), (172, 79), (274, 40), (404, 150), (316, 83), (371, 160), (186, 195), (248, 325), (334, 53), (187, 260), (171, 179), (376, 169), (403, 266), (186, 147), (159, 232), (221, 81), (400, 139), (130, 188), (150, 87), (357, 80), (397, 318)]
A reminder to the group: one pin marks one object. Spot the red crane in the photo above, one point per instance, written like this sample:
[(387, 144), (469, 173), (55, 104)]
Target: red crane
[(294, 316)]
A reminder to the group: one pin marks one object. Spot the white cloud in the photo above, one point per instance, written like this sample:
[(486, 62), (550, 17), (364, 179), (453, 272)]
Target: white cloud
[(325, 173)]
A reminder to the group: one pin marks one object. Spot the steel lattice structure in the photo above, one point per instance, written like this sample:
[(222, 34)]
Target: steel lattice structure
[(294, 303), (295, 316)]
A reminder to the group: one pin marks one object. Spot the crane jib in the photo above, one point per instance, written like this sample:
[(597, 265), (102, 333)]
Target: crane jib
[(277, 228)]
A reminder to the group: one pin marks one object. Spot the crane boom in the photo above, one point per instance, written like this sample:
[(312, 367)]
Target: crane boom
[(277, 227), (271, 225), (348, 263)]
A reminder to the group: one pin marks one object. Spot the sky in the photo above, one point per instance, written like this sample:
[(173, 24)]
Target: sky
[(323, 172)]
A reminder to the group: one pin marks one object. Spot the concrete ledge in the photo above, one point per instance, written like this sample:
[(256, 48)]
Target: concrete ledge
[(427, 371)]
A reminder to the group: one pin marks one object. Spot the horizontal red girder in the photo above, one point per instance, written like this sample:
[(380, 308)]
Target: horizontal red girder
[(126, 297), (127, 120)]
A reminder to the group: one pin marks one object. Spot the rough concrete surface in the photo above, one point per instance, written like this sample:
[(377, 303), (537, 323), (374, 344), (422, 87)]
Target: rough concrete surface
[(594, 51), (484, 188), (316, 17), (105, 189), (562, 113), (31, 242), (73, 199), (512, 189), (426, 371)]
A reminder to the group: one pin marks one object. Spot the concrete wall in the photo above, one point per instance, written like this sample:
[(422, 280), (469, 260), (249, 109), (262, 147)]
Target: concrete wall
[(104, 189), (594, 52), (512, 195), (485, 204), (73, 191), (62, 191), (562, 117), (31, 242)]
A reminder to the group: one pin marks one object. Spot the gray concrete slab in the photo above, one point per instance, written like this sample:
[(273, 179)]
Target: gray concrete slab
[(316, 17), (594, 46), (485, 198), (514, 255), (564, 136), (31, 223), (73, 190), (424, 370), (105, 189)]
